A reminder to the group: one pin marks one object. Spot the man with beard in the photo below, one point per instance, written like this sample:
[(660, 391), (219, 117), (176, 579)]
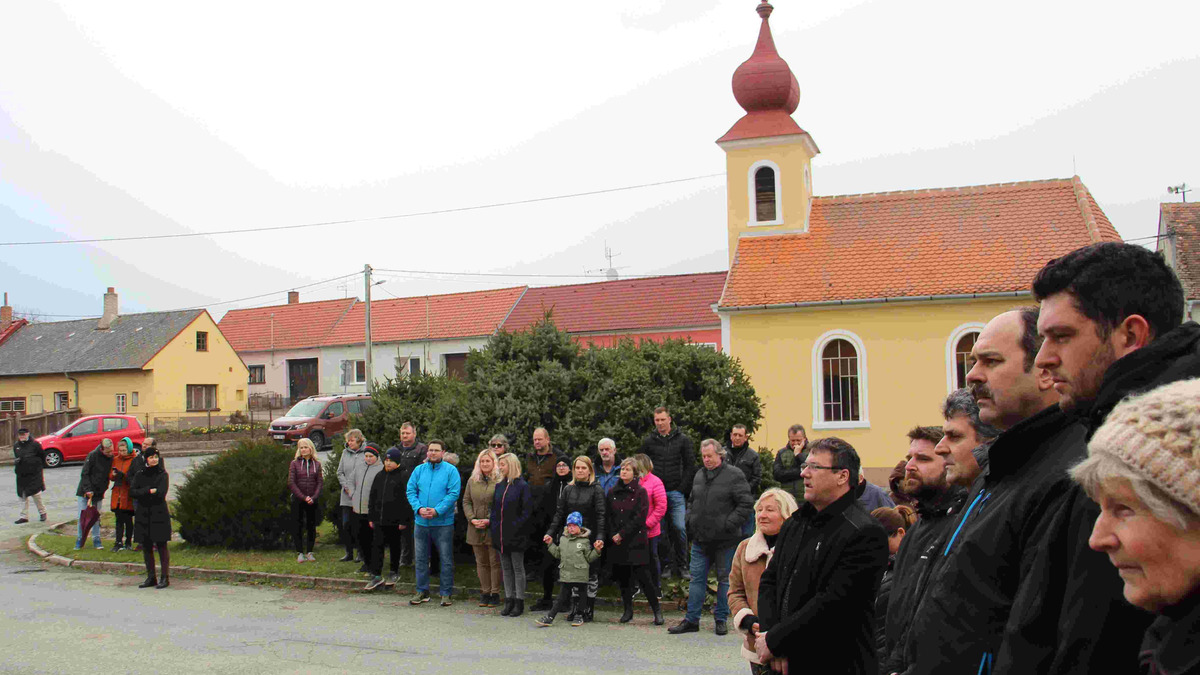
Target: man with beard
[(965, 439), (937, 500), (1017, 590)]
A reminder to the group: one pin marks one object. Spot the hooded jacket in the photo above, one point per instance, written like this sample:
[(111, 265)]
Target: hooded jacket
[(512, 504), (674, 459), (588, 500), (305, 478), (348, 470), (1018, 590), (388, 504), (364, 479), (820, 588), (575, 554), (719, 505), (94, 475), (152, 518), (658, 504), (122, 481), (627, 507), (30, 458)]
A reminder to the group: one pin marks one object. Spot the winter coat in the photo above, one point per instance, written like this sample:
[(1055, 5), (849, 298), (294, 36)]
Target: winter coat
[(305, 479), (121, 482), (747, 459), (434, 486), (1170, 644), (787, 471), (152, 518), (539, 469), (364, 479), (606, 481), (881, 609), (30, 458), (575, 555), (718, 507), (477, 505), (349, 470), (658, 504), (388, 504), (749, 561), (94, 476), (410, 458), (918, 556), (874, 497), (512, 504), (627, 507), (674, 459), (1019, 589), (820, 587), (588, 500), (1174, 356)]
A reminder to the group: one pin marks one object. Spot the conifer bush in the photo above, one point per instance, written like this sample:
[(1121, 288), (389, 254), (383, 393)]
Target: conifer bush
[(239, 499)]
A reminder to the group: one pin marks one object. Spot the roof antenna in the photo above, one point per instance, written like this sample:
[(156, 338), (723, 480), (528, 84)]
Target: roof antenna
[(1182, 189)]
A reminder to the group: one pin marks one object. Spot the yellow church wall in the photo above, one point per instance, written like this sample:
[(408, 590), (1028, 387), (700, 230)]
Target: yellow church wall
[(905, 348), (180, 364), (793, 161)]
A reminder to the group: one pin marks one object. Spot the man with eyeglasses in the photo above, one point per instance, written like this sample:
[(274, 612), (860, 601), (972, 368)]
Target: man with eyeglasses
[(816, 598)]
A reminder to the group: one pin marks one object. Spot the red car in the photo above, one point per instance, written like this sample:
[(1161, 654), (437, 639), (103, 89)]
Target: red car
[(73, 442)]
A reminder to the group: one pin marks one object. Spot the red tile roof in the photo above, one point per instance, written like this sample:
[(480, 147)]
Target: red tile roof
[(12, 328), (655, 302), (431, 317), (1181, 221), (295, 326), (981, 239)]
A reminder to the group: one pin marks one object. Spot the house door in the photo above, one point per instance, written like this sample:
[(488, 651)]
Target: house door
[(302, 378)]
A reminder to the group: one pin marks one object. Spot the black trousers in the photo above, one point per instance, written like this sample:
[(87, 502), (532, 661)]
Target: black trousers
[(626, 575), (386, 536), (564, 598), (124, 527), (406, 545), (305, 515), (164, 556), (348, 529), (365, 536)]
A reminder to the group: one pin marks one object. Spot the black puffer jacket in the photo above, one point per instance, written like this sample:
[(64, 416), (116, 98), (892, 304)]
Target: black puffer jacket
[(1174, 356), (94, 475), (152, 518), (673, 457), (410, 459), (881, 609), (588, 500), (919, 554), (747, 459), (388, 504), (30, 458), (1170, 645), (1018, 589), (816, 598), (718, 507)]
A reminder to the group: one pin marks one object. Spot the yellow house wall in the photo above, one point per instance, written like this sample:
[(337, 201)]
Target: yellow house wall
[(792, 159), (179, 364), (97, 391), (906, 367)]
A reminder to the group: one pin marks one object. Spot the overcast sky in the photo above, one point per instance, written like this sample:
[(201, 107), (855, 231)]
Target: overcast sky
[(127, 119)]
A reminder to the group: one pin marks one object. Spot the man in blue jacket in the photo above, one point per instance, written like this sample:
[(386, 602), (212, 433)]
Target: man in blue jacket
[(433, 491)]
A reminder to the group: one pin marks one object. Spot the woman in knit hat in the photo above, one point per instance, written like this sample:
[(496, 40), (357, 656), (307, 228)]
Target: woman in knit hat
[(1143, 468), (153, 525)]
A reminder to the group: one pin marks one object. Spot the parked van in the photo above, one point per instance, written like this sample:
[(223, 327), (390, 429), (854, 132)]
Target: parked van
[(319, 418)]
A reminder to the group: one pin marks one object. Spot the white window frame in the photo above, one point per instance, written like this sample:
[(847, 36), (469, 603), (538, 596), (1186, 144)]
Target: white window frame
[(818, 391), (349, 372), (753, 221), (122, 408), (952, 342), (134, 401)]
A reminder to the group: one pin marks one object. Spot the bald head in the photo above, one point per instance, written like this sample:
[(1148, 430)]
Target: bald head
[(1003, 381)]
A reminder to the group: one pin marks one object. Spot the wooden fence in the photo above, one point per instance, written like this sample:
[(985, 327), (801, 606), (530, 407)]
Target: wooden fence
[(38, 425)]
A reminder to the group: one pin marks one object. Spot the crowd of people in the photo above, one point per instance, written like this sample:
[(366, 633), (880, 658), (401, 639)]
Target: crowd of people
[(1049, 524)]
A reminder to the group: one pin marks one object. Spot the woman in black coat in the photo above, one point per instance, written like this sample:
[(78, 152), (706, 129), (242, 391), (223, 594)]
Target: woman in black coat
[(895, 521), (153, 520), (629, 549), (30, 458), (585, 496), (512, 504)]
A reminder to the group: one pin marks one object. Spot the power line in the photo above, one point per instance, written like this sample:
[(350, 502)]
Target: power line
[(398, 216), (518, 275)]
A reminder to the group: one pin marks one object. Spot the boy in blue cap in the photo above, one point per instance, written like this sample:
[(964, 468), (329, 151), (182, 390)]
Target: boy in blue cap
[(575, 553)]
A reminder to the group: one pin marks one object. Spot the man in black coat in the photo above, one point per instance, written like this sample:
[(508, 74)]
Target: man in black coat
[(746, 459), (788, 459), (30, 458), (816, 598), (674, 463), (412, 454), (93, 483), (719, 503)]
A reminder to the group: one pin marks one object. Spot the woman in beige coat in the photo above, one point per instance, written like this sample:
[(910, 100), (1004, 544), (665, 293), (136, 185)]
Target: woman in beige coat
[(477, 508), (749, 561)]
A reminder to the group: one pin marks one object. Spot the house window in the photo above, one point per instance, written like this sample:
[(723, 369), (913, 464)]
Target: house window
[(839, 382), (201, 341), (240, 395), (764, 194), (354, 372), (958, 354), (121, 403), (414, 365), (258, 374), (12, 405), (62, 400), (201, 397), (134, 402)]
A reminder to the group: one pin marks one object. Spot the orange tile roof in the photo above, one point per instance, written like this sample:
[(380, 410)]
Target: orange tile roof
[(431, 317), (295, 326), (1182, 222), (981, 239), (655, 302)]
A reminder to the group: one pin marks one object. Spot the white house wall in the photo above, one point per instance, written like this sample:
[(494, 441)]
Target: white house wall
[(276, 368), (384, 355)]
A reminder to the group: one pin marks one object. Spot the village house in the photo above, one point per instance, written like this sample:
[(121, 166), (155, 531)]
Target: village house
[(1179, 241)]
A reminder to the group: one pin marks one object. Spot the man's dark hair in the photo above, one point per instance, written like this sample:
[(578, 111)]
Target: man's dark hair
[(438, 442), (931, 434), (844, 455), (1112, 281), (1030, 340), (797, 428), (962, 402), (662, 409), (740, 426)]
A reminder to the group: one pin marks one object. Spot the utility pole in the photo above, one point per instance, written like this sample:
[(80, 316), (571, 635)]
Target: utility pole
[(367, 284)]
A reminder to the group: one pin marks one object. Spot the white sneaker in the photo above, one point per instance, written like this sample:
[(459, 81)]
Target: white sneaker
[(299, 557), (310, 558)]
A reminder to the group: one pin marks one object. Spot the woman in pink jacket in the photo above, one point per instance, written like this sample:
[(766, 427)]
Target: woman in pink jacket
[(658, 508)]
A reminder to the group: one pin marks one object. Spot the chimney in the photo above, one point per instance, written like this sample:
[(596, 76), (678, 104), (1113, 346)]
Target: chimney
[(293, 297), (110, 310), (5, 315)]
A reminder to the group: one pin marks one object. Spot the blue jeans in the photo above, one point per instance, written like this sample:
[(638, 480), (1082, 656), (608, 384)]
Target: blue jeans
[(676, 526), (723, 559), (748, 526), (441, 536), (79, 527)]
